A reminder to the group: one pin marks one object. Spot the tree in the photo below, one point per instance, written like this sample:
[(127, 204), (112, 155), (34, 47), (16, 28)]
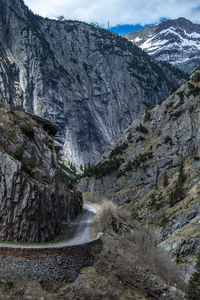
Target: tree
[(165, 180), (193, 290), (178, 193)]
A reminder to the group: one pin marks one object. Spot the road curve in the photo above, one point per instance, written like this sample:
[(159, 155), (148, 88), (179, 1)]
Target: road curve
[(81, 233)]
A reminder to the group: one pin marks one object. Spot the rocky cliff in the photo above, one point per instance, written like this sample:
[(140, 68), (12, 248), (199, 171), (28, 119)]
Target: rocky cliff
[(35, 200), (90, 82), (154, 171), (175, 41)]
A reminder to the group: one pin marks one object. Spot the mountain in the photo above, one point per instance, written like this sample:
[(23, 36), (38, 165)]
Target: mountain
[(154, 172), (35, 199), (175, 41), (88, 81)]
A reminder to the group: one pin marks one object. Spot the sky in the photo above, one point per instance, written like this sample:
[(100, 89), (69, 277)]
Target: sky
[(118, 12)]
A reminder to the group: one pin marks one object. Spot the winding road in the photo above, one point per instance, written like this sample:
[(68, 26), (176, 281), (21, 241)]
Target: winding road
[(81, 232)]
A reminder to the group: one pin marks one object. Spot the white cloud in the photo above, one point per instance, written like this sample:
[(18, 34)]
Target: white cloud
[(117, 11)]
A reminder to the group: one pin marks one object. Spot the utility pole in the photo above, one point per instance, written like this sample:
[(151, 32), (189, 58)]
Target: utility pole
[(108, 25)]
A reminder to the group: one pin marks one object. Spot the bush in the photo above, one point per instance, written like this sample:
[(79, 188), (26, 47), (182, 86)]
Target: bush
[(140, 139), (103, 168), (167, 140), (193, 290), (29, 164), (165, 180), (27, 130), (142, 129), (193, 90), (130, 137), (178, 193), (118, 150), (147, 116), (196, 77), (18, 153)]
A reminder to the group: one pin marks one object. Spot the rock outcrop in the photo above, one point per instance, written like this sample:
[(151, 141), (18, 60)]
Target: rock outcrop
[(35, 200), (89, 81), (154, 171)]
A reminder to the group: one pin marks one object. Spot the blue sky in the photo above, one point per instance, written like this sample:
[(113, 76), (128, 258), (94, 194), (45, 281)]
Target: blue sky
[(123, 12)]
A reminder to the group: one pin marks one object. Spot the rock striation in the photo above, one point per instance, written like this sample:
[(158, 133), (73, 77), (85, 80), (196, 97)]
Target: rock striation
[(88, 81), (174, 41), (35, 200), (154, 171)]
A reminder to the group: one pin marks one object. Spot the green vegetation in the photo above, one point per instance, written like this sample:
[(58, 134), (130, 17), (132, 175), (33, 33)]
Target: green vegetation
[(177, 114), (18, 153), (196, 157), (103, 168), (167, 140), (163, 220), (142, 129), (165, 180), (193, 290), (147, 116), (193, 90), (140, 139), (196, 77), (130, 137), (178, 193), (136, 163), (27, 164), (27, 130), (118, 150)]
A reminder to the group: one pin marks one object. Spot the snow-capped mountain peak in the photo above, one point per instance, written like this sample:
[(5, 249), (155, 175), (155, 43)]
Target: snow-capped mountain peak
[(175, 41)]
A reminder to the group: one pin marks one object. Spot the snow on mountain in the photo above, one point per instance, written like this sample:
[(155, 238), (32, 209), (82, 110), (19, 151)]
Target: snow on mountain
[(175, 41)]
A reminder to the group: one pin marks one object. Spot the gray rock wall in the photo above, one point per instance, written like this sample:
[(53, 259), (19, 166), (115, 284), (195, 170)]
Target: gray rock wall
[(90, 82), (35, 200)]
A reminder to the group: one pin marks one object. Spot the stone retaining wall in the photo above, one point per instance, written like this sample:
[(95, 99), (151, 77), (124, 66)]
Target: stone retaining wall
[(47, 263)]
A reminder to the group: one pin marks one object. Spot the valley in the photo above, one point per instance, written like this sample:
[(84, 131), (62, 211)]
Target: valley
[(99, 159)]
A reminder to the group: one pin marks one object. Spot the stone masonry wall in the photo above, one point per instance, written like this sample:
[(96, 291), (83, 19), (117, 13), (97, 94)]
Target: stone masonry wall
[(47, 263)]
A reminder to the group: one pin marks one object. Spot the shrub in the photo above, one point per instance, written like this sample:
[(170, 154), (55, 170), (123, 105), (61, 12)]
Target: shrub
[(140, 139), (193, 289), (165, 180), (147, 116), (27, 130), (18, 153), (196, 77), (118, 150), (196, 157), (163, 220), (103, 168), (167, 140), (142, 129), (193, 90), (177, 114), (29, 164), (130, 137), (178, 193)]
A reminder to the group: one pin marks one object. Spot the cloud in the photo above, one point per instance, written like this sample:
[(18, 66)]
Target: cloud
[(117, 11)]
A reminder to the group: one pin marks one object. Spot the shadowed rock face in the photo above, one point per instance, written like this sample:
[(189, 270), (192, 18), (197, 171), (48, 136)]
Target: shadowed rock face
[(34, 200), (90, 82)]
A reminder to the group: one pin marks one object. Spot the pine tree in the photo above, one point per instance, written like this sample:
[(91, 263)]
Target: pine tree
[(165, 180), (193, 290)]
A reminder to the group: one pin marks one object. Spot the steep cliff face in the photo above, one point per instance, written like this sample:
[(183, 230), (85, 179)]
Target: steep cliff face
[(154, 171), (90, 82), (175, 41), (34, 199)]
